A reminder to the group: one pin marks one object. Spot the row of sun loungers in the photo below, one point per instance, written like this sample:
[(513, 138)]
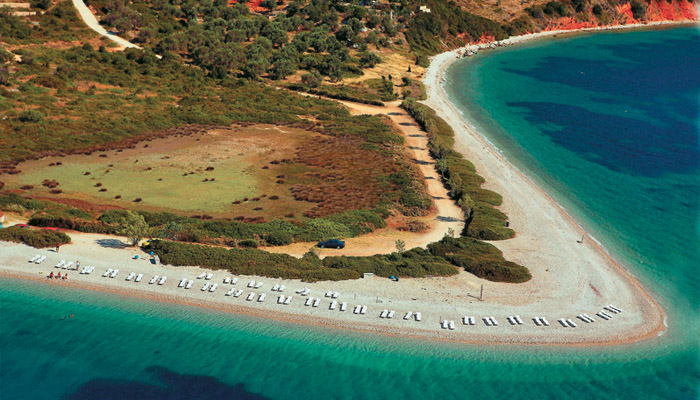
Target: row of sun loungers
[(304, 291), (540, 321), (567, 323), (282, 300), (232, 281), (333, 295), (445, 324), (360, 309), (585, 318), (37, 259), (515, 320), (65, 265), (278, 288), (205, 276), (387, 314), (87, 270), (490, 321), (131, 276), (255, 285), (154, 280)]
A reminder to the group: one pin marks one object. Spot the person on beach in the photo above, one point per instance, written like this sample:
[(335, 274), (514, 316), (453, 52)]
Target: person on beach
[(57, 246), (77, 265), (59, 275), (65, 277), (51, 276)]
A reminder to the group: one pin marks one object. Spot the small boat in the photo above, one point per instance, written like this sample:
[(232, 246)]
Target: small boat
[(162, 280), (288, 300), (154, 280), (343, 306), (213, 287), (333, 305), (138, 278), (189, 284), (261, 298), (391, 314)]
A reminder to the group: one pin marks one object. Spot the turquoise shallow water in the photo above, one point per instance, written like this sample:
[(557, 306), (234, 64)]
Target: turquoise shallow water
[(117, 347)]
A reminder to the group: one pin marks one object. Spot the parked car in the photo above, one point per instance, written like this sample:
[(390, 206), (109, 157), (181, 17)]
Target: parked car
[(332, 243)]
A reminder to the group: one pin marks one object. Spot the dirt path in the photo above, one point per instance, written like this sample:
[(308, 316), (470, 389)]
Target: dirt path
[(447, 216), (90, 20)]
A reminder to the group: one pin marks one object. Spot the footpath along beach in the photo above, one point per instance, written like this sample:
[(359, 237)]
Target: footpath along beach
[(569, 278)]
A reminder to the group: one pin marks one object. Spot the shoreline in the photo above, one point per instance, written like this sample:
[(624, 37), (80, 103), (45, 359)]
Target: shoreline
[(434, 80), (318, 322)]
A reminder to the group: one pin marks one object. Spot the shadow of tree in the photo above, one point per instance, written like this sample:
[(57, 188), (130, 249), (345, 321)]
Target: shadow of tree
[(447, 219), (112, 243)]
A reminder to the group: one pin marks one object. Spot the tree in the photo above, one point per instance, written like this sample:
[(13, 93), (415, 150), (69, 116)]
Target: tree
[(285, 62), (400, 246), (467, 205), (312, 80), (269, 4), (134, 227), (369, 60)]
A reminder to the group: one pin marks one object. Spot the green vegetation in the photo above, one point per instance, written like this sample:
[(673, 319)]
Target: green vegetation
[(413, 263), (32, 237), (483, 221), (339, 92), (133, 226)]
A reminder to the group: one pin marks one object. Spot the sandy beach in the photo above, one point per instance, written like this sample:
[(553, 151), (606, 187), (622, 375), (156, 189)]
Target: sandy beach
[(569, 278)]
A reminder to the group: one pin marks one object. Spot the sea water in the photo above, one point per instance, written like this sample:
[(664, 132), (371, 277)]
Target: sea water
[(566, 116)]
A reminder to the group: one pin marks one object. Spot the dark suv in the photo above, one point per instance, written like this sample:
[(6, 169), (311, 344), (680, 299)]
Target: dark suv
[(332, 243)]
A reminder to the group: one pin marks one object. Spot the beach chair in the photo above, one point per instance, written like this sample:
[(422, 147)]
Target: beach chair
[(537, 321), (487, 321), (333, 305), (202, 275), (182, 283), (251, 284), (280, 299), (234, 281), (518, 320), (205, 287), (258, 285), (588, 318), (363, 310), (391, 314), (316, 302), (114, 273), (328, 294), (131, 276), (343, 306), (408, 315), (41, 259), (36, 257), (213, 287), (274, 288), (451, 325), (334, 295), (230, 292), (511, 320), (418, 317), (308, 301), (356, 310), (154, 280), (209, 276), (571, 323), (615, 308), (544, 321), (106, 274), (563, 322), (443, 324), (261, 298), (162, 280), (60, 264), (288, 300), (281, 289), (227, 280), (138, 278), (189, 284)]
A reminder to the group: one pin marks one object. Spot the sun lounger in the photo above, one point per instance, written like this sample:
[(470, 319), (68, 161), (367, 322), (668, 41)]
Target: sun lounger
[(518, 320), (114, 273), (250, 297), (391, 314), (571, 323), (281, 289), (487, 321), (537, 321), (614, 308), (471, 321), (280, 299), (162, 280), (60, 264), (131, 276), (84, 270), (384, 313), (138, 278), (333, 305), (603, 315), (363, 310), (40, 260), (451, 325), (238, 293), (227, 280), (328, 294), (202, 275), (213, 287), (274, 288), (465, 321), (182, 283), (154, 280), (588, 318), (261, 298), (317, 302), (335, 295), (251, 283), (544, 321), (209, 276), (300, 291), (36, 257), (308, 301), (511, 320), (563, 323), (230, 292), (69, 265), (493, 321), (408, 315), (288, 300), (582, 318), (418, 317), (343, 306), (443, 324), (234, 281), (306, 292), (356, 310), (106, 274), (189, 284), (205, 287), (258, 285), (606, 314)]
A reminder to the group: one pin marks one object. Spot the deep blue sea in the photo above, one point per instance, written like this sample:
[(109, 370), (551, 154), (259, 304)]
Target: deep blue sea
[(608, 123)]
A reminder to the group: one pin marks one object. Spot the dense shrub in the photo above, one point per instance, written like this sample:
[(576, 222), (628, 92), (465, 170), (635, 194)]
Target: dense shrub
[(31, 237)]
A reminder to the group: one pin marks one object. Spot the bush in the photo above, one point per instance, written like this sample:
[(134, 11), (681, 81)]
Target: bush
[(31, 237)]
